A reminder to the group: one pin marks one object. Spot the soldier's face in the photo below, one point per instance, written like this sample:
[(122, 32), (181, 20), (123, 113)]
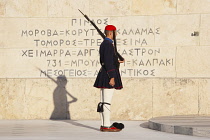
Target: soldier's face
[(110, 34)]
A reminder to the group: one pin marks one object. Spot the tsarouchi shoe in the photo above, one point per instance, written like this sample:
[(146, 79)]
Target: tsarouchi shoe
[(109, 129)]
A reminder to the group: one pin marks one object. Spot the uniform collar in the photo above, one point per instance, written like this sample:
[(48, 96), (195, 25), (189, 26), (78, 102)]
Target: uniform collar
[(108, 39)]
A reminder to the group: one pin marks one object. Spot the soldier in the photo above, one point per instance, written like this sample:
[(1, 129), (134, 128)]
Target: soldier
[(108, 79)]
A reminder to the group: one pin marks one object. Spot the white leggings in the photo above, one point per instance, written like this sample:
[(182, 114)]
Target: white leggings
[(106, 96)]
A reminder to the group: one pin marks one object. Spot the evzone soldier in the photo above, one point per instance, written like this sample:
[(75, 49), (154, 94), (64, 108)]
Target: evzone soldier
[(108, 79)]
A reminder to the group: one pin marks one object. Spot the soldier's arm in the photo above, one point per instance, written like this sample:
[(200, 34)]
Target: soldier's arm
[(109, 60)]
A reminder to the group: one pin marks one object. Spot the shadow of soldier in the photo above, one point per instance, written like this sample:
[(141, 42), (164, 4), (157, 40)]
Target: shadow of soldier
[(76, 123), (61, 104)]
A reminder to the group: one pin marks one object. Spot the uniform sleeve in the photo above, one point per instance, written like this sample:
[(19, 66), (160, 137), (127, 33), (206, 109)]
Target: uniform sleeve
[(109, 60)]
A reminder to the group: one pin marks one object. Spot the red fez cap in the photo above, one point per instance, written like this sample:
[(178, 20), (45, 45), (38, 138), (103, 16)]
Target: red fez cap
[(110, 28)]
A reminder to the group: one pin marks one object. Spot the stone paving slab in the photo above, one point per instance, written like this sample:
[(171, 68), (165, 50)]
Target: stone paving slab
[(81, 130), (187, 125)]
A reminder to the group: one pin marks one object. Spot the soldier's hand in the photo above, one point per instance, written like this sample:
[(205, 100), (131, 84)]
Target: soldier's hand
[(121, 61), (112, 82)]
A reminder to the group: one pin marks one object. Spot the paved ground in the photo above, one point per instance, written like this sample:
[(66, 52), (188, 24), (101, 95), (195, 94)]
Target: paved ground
[(81, 130)]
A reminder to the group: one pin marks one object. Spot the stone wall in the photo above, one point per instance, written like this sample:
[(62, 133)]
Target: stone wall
[(166, 45)]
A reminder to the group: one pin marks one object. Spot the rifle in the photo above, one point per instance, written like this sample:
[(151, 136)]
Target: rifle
[(102, 35)]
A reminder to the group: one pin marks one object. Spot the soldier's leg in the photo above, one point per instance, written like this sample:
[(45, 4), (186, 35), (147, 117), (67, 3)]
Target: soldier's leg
[(106, 98)]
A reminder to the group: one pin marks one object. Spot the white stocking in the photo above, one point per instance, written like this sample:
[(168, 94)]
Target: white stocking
[(106, 96)]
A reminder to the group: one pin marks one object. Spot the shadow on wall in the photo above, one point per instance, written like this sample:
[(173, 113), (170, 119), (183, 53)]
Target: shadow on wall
[(61, 104)]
